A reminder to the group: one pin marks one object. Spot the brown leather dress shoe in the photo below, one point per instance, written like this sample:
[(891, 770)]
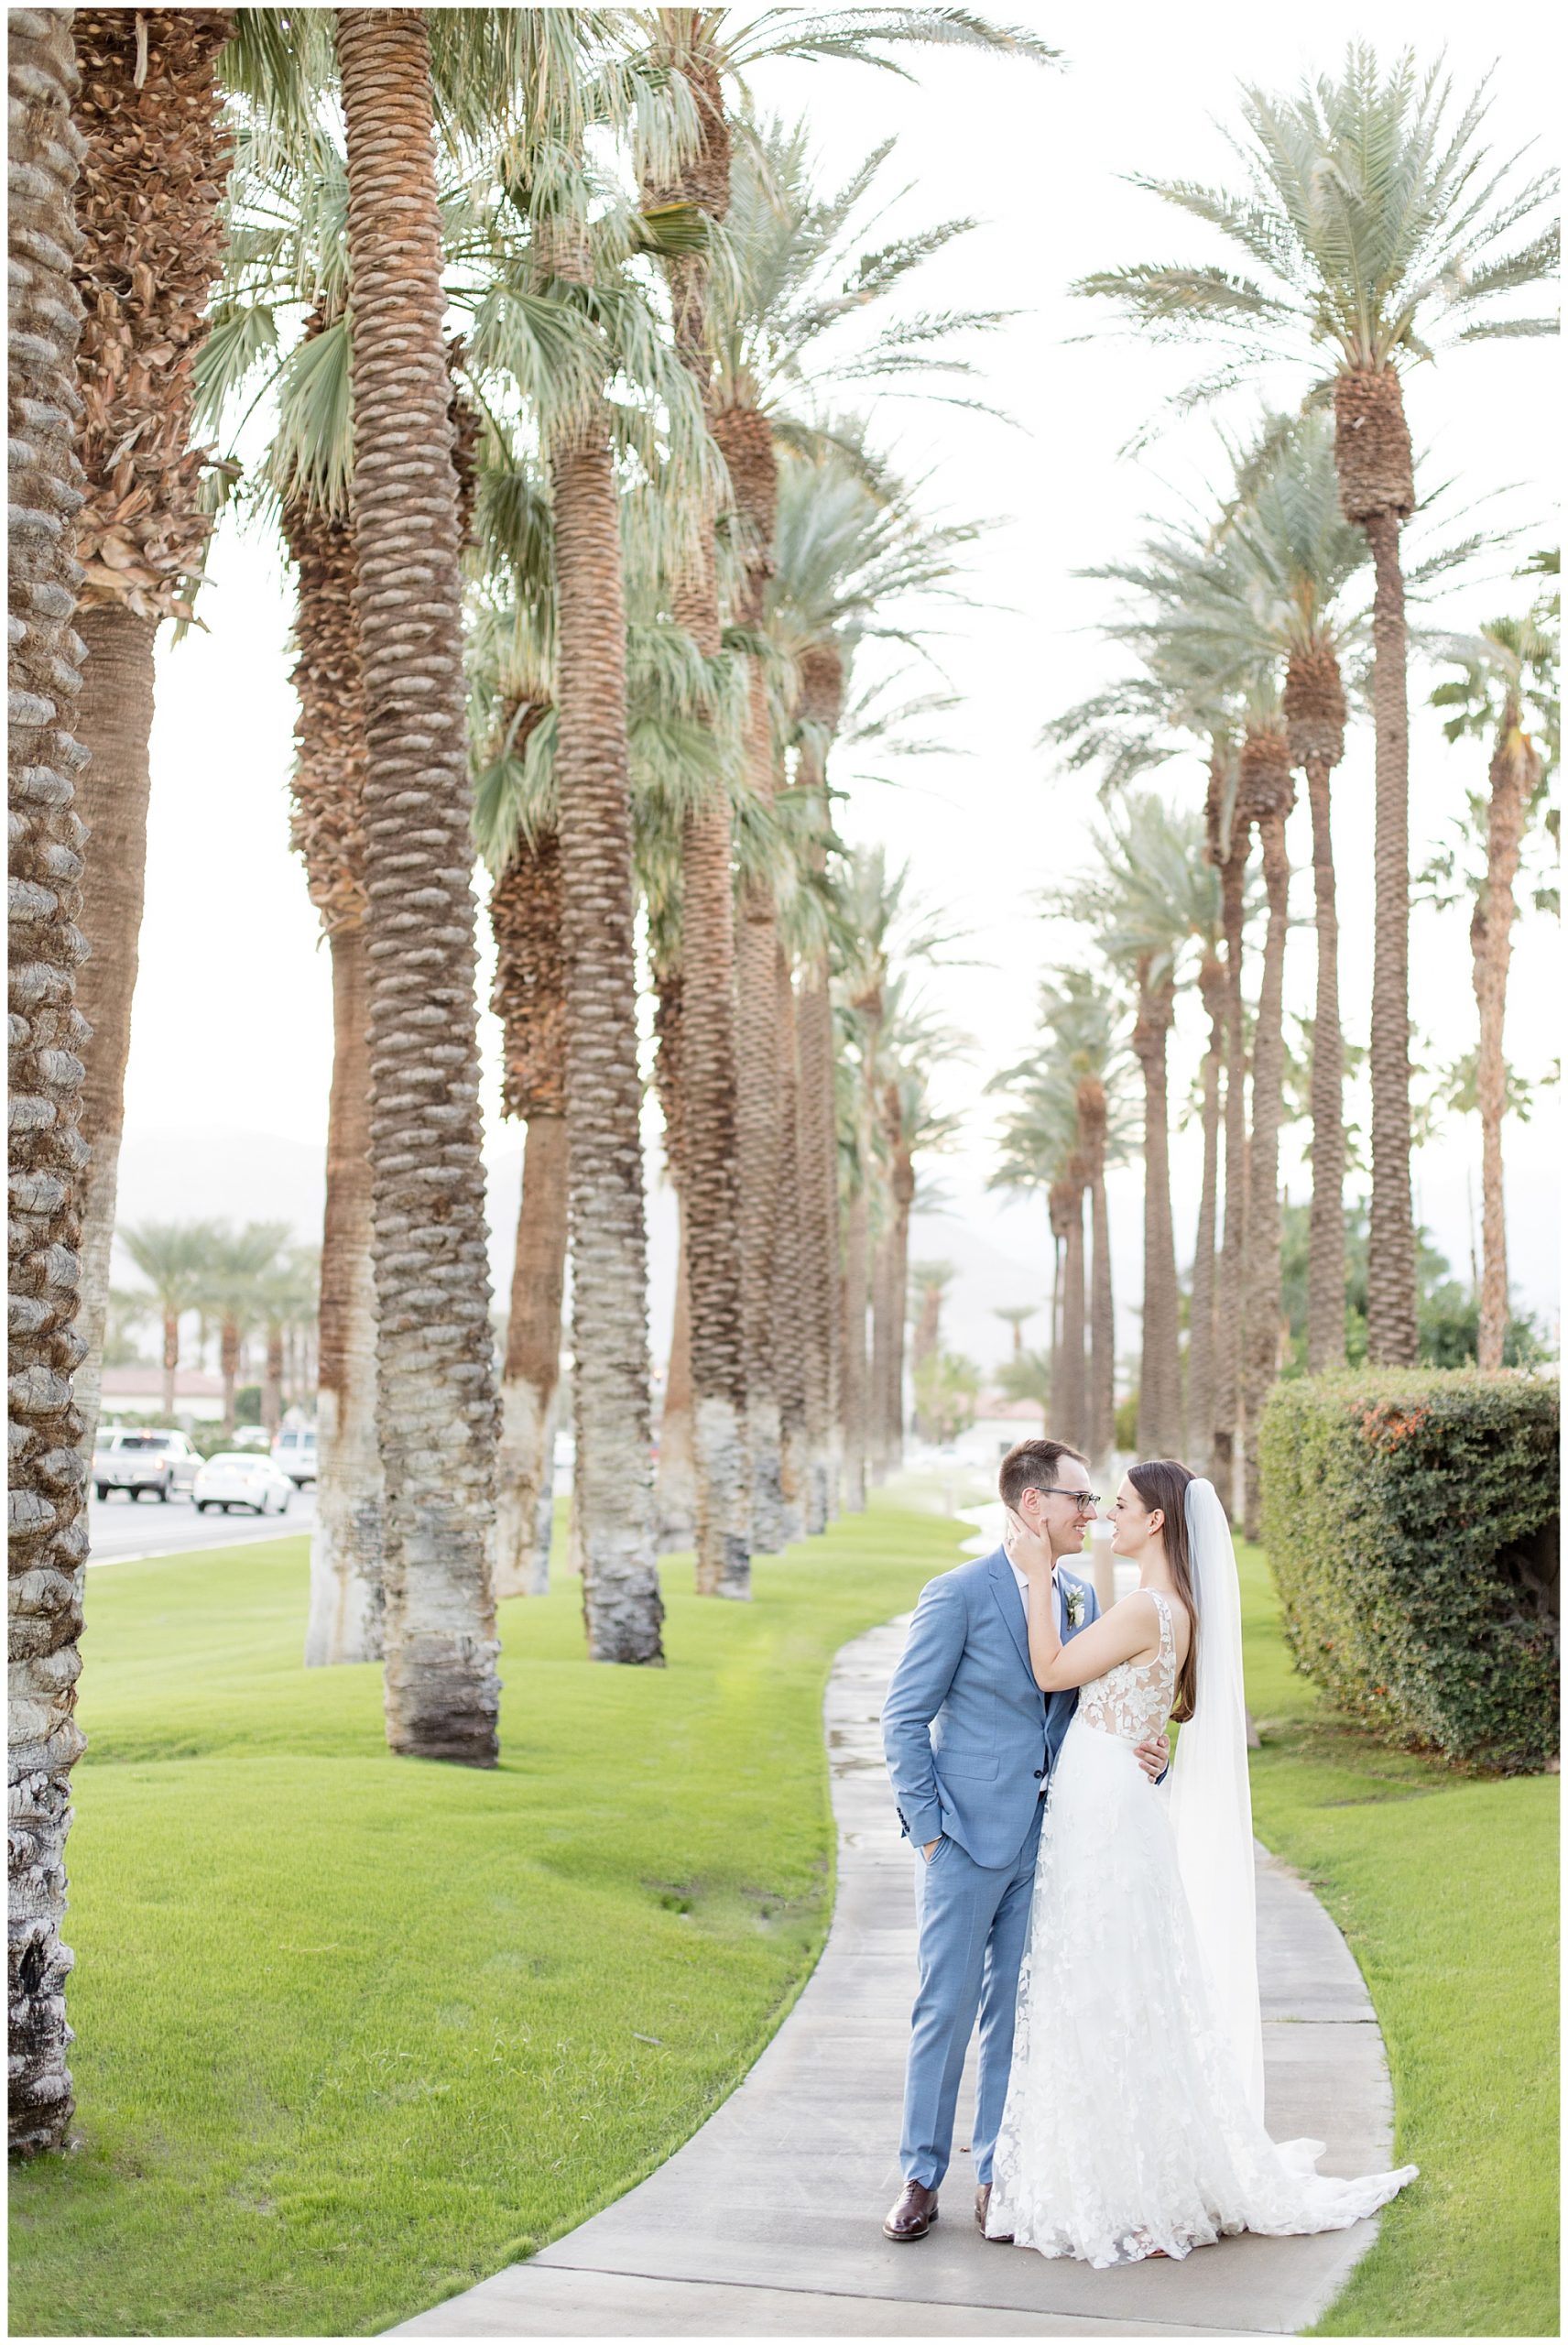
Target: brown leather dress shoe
[(982, 2209), (914, 2213)]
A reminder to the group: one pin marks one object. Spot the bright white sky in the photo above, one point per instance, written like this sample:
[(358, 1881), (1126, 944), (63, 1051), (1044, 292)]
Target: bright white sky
[(232, 1028)]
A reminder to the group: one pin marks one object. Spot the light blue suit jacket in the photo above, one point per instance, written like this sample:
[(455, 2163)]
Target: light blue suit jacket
[(969, 1736)]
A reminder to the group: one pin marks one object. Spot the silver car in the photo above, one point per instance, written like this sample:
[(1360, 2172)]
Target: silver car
[(133, 1460)]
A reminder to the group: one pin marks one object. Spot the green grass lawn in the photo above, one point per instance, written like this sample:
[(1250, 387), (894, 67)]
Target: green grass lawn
[(354, 2032), (1446, 1888)]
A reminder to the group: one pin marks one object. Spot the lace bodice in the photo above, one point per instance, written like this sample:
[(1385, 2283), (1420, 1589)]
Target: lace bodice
[(1132, 1700)]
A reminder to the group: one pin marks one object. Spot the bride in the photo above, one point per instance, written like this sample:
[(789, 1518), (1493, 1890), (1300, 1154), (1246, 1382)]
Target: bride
[(1134, 2118)]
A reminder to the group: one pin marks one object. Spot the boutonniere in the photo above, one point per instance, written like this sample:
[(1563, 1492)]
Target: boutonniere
[(1074, 1604)]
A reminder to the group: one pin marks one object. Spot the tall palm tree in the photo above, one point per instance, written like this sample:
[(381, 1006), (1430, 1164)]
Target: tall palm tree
[(1507, 675), (1181, 697), (288, 1301), (1149, 898), (515, 656), (49, 1444), (174, 1258), (286, 215), (1291, 555), (704, 55), (775, 306), (1267, 795), (1379, 223), (852, 550), (929, 1283), (148, 109), (233, 1265), (436, 1394)]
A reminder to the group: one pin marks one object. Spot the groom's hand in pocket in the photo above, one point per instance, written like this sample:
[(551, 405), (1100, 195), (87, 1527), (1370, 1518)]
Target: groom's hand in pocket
[(1154, 1756), (929, 1847)]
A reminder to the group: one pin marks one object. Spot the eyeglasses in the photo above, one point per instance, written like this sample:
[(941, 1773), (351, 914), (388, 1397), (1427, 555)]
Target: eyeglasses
[(1090, 1499)]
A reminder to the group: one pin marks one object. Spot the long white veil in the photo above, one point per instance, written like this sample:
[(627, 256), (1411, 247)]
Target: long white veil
[(1211, 1798)]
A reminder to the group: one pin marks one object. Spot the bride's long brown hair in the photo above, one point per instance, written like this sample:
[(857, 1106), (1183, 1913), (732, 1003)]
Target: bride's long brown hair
[(1162, 1482)]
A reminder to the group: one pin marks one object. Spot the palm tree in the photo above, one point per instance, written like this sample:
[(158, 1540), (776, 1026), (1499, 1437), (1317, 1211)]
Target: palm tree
[(1180, 696), (287, 1300), (930, 1283), (1295, 554), (1035, 1137), (436, 1396), (50, 1445), (1152, 894), (286, 218), (1016, 1316), (234, 1265), (1267, 796), (1377, 223), (1507, 671), (851, 549), (704, 55), (173, 1257), (1064, 1126), (773, 306), (148, 107)]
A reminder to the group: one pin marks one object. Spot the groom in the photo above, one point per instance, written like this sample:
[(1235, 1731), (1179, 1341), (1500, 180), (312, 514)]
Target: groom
[(971, 1741)]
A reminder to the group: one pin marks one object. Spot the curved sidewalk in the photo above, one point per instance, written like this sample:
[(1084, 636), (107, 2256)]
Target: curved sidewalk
[(767, 2223)]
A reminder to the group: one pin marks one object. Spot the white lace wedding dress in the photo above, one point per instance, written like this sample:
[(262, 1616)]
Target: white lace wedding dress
[(1128, 2125)]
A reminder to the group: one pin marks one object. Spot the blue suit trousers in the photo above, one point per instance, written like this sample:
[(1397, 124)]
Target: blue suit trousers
[(972, 1921)]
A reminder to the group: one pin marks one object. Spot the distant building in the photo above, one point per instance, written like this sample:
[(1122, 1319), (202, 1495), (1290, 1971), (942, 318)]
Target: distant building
[(137, 1391)]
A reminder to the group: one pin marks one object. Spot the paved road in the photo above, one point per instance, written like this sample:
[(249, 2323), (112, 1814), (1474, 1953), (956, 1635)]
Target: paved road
[(127, 1531), (767, 2223)]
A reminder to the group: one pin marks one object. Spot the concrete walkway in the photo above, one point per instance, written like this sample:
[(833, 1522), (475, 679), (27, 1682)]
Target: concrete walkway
[(767, 2223)]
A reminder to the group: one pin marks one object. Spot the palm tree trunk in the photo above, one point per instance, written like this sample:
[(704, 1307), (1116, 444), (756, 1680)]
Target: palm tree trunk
[(903, 1187), (524, 1477), (713, 1257), (746, 440), (1103, 1329), (345, 1622), (435, 1387), (228, 1370), (1391, 1336), (1263, 1273), (881, 1409), (1159, 1380), (613, 1475), (1231, 1314), (1325, 1246), (1070, 1389), (170, 1361), (156, 159), (715, 1268), (1516, 770), (757, 1155), (820, 1229), (530, 998), (853, 1377), (1201, 1337), (676, 1487), (114, 723), (50, 1447), (272, 1379), (790, 1273)]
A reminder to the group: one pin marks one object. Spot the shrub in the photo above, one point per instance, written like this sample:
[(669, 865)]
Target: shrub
[(1411, 1522)]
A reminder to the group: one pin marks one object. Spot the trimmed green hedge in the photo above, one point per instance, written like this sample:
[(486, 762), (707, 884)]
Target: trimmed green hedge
[(1410, 1518)]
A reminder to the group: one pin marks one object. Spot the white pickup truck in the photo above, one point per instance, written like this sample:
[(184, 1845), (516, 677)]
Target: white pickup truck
[(133, 1460)]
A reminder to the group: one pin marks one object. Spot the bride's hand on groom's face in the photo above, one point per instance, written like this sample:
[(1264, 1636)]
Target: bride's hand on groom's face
[(1029, 1549)]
